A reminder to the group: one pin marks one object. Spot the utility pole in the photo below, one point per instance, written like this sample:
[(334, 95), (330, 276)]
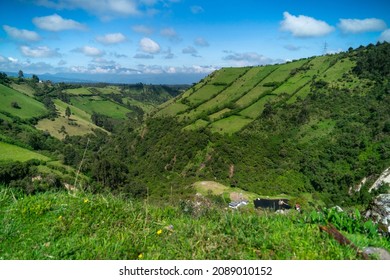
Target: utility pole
[(81, 162), (325, 50)]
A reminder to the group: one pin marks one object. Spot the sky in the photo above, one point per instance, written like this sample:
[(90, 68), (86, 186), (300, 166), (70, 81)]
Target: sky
[(178, 41)]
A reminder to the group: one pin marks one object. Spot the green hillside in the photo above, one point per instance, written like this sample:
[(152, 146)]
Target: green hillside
[(231, 98), (10, 152), (315, 131), (20, 105)]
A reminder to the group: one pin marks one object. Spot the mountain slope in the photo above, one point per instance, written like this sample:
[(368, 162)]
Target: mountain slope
[(231, 98), (318, 125)]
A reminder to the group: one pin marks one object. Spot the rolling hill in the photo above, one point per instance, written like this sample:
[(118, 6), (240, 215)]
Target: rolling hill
[(231, 98)]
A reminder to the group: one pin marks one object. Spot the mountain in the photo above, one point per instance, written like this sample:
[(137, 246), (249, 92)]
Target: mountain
[(317, 125)]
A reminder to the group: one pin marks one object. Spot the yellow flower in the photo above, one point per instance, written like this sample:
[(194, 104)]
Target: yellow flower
[(159, 232), (86, 200), (141, 256)]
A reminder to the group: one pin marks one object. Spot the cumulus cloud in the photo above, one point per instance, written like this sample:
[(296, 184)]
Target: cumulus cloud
[(361, 25), (385, 36), (21, 34), (197, 9), (147, 45), (112, 38), (57, 23), (304, 26), (89, 51), (248, 58), (201, 42), (171, 34), (39, 52), (142, 29)]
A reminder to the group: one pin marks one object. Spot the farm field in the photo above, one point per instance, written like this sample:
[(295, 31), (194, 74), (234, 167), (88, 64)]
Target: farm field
[(98, 105), (9, 152)]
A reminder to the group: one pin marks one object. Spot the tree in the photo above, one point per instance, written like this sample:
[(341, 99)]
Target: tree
[(68, 112), (35, 78), (15, 105), (20, 74)]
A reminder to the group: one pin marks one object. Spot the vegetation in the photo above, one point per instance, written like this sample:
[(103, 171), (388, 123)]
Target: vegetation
[(86, 226), (310, 130)]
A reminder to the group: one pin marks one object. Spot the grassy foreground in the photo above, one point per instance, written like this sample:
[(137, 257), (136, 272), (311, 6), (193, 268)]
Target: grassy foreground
[(85, 226)]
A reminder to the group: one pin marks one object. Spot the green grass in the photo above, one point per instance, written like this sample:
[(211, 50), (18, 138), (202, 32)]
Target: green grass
[(197, 124), (172, 110), (23, 88), (9, 152), (59, 226), (105, 107), (205, 93), (256, 108), (230, 124), (29, 107), (79, 91), (79, 122)]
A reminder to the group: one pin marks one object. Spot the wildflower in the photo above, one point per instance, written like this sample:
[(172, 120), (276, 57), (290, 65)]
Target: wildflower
[(141, 256), (86, 200), (159, 232)]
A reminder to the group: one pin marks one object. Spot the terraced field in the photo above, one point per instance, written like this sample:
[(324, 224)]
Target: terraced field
[(231, 98)]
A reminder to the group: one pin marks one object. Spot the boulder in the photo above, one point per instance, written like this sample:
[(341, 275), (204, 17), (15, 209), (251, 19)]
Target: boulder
[(377, 253), (379, 212)]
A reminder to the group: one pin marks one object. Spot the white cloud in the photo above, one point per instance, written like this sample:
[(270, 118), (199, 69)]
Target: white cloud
[(142, 29), (361, 25), (304, 26), (113, 38), (248, 58), (197, 9), (57, 23), (385, 36), (21, 34), (147, 45), (39, 52), (89, 51), (201, 42)]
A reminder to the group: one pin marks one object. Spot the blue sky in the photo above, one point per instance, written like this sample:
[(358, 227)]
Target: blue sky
[(178, 39)]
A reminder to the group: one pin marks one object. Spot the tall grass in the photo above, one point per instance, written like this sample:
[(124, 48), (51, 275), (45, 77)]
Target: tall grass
[(85, 226)]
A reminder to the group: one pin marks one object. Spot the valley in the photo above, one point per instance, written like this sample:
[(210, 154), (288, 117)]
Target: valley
[(137, 159)]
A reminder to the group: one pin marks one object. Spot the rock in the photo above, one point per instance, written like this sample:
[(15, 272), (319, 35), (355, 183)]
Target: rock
[(379, 211), (383, 179), (378, 253)]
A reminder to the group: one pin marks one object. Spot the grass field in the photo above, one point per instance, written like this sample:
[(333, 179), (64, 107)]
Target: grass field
[(15, 153), (83, 226), (230, 124), (79, 122), (79, 91), (29, 107), (23, 88), (105, 107)]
